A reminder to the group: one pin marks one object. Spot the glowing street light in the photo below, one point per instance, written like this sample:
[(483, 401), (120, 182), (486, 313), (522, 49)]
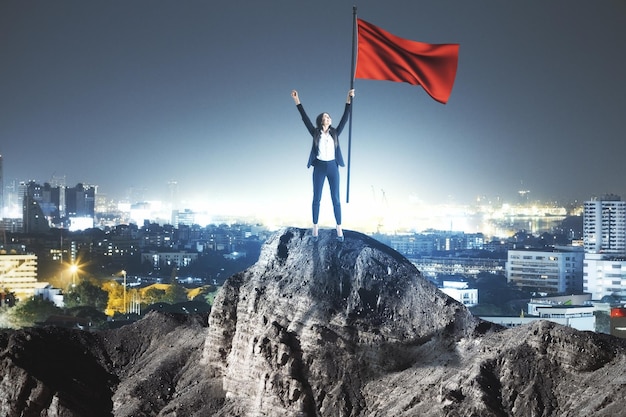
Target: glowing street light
[(124, 273), (74, 271)]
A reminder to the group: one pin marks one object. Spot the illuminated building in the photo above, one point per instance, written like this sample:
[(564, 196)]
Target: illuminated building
[(460, 291), (80, 206), (604, 275), (604, 225), (577, 317), (552, 272), (18, 274), (604, 239)]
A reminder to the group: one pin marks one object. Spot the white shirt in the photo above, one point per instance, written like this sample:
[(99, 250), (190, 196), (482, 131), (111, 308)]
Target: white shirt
[(326, 148)]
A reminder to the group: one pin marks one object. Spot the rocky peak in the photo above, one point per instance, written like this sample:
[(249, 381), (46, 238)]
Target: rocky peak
[(315, 328), (312, 321)]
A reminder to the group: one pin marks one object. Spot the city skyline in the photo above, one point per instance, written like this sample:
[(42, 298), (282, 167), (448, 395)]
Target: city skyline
[(135, 95), (81, 207)]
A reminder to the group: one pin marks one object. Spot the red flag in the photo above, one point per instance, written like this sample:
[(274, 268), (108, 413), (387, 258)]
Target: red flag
[(383, 56)]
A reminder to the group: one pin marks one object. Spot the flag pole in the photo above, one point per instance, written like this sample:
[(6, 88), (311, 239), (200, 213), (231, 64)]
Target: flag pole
[(352, 69)]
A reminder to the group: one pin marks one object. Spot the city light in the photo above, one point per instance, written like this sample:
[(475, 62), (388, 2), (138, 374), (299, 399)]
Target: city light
[(74, 271)]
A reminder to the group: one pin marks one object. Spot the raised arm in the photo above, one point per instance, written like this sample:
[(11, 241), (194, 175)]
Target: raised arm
[(346, 112), (305, 118), (294, 95), (349, 98)]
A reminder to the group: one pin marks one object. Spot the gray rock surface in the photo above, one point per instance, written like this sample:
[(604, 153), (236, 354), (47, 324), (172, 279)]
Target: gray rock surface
[(316, 328)]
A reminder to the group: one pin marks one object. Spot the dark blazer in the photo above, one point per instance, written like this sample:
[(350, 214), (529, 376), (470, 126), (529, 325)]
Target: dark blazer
[(317, 133)]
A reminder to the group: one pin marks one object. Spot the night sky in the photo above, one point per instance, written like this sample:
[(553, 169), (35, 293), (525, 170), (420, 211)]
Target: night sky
[(135, 94)]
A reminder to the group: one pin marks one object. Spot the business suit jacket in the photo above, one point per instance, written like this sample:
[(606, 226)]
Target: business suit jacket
[(316, 133)]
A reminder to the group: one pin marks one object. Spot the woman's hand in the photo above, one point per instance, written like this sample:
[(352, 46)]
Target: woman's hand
[(294, 95), (350, 95)]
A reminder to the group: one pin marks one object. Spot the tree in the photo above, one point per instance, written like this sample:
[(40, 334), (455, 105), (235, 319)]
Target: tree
[(86, 294), (206, 293), (116, 297), (32, 311), (175, 294), (7, 298), (153, 295)]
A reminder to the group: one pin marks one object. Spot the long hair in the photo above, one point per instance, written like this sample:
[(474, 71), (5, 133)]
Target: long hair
[(316, 138), (318, 119)]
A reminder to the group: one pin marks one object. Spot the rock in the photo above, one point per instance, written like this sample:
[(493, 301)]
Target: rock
[(316, 328), (53, 372), (305, 328)]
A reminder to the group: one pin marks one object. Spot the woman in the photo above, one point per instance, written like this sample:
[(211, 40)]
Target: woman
[(326, 158)]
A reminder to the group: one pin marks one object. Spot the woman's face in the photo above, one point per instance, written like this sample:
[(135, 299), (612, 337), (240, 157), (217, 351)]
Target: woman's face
[(326, 120)]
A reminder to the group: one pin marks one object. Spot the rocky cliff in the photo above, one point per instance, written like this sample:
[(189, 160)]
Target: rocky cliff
[(316, 328)]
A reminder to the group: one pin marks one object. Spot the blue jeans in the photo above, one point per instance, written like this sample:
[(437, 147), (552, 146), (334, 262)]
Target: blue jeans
[(321, 171)]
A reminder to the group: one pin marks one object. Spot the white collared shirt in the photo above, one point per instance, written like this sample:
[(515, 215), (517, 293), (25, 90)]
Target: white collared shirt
[(326, 148)]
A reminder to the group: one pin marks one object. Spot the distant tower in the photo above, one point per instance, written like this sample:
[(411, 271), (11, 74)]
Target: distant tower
[(604, 225), (59, 182), (22, 191), (46, 198), (172, 187), (34, 219), (80, 201)]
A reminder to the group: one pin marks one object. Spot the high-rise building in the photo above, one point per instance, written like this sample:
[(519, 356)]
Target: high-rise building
[(35, 220), (11, 199), (40, 206), (172, 187), (80, 206), (604, 239), (183, 217), (80, 201), (58, 181), (604, 225), (49, 205)]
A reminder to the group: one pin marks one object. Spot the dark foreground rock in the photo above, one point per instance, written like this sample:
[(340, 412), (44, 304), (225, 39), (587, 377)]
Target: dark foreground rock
[(320, 328)]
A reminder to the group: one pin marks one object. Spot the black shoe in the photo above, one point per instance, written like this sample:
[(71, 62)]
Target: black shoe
[(340, 238)]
